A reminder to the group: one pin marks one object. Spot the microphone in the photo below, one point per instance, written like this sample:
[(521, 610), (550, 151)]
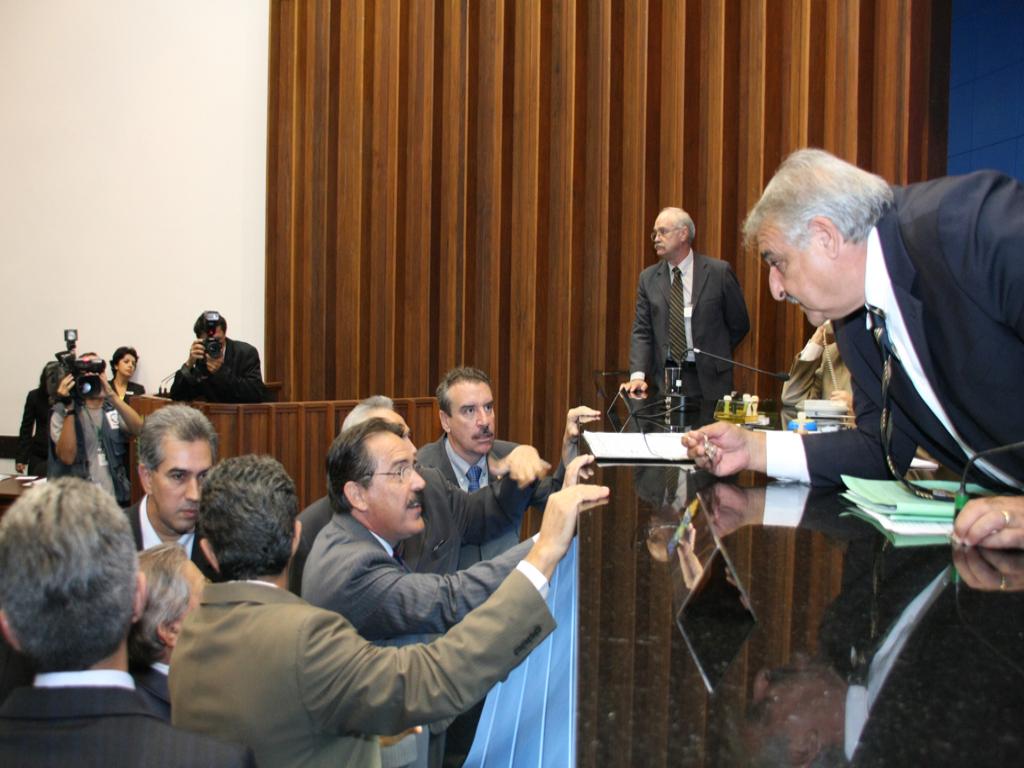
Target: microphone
[(780, 375), (961, 498)]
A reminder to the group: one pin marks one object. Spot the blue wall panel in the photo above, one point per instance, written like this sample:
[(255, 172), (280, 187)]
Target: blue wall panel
[(986, 96)]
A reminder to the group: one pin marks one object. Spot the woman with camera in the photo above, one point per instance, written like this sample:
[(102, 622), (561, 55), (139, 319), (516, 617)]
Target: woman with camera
[(122, 365)]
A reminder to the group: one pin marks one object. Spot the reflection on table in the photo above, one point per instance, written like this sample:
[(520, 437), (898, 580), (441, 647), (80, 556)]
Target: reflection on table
[(858, 650)]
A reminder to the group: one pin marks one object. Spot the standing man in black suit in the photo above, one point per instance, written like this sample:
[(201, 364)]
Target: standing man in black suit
[(70, 615), (219, 369), (925, 288), (177, 447), (685, 301), (464, 452)]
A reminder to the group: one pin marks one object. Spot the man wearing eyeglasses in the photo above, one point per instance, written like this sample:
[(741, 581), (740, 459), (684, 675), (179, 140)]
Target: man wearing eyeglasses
[(924, 286), (387, 558), (685, 301)]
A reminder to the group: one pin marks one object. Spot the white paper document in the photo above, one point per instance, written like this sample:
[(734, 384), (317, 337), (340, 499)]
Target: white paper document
[(664, 447)]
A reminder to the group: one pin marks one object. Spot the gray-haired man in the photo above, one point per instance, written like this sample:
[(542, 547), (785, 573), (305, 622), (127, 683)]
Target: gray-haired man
[(177, 447), (174, 586), (70, 587)]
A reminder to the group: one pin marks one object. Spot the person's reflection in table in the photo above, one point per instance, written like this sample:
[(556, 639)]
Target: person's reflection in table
[(668, 490)]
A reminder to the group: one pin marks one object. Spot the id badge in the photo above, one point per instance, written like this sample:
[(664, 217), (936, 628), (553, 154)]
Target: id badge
[(102, 456), (114, 419)]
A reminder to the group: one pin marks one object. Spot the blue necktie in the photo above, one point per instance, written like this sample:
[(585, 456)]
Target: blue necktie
[(473, 475)]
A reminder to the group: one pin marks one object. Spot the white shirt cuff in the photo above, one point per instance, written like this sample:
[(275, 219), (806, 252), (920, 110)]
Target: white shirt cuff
[(638, 375), (812, 351), (785, 457), (530, 571)]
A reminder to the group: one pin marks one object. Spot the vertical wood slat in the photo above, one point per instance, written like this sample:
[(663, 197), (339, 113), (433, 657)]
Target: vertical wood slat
[(472, 183)]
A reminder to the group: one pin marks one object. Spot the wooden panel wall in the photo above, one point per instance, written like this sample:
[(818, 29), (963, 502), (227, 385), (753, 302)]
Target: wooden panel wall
[(455, 182)]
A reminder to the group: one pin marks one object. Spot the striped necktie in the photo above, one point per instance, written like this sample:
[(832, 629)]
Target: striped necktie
[(678, 342)]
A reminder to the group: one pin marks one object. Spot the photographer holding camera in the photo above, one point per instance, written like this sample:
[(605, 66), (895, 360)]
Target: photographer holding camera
[(219, 369), (90, 427)]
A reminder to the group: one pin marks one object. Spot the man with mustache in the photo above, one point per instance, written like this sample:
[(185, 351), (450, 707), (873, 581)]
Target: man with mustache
[(683, 301), (353, 567), (177, 447), (467, 450), (386, 560)]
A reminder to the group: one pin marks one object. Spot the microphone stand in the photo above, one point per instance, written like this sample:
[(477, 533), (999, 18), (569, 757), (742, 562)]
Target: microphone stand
[(780, 375), (962, 497)]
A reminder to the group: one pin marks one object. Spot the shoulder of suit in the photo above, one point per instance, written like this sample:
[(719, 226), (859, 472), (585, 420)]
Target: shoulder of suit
[(429, 454), (652, 270), (241, 347)]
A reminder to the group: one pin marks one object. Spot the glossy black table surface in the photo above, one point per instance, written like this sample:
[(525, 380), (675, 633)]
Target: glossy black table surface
[(754, 644)]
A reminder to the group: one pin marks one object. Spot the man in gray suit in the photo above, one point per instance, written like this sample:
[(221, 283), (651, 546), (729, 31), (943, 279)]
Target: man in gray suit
[(357, 566), (468, 446), (297, 683), (453, 517), (685, 301), (70, 587)]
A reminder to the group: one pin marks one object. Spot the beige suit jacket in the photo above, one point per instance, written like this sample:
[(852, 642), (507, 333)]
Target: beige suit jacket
[(260, 666)]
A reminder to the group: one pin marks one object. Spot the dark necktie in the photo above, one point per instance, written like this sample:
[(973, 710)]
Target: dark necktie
[(397, 554), (473, 475), (677, 317), (881, 334)]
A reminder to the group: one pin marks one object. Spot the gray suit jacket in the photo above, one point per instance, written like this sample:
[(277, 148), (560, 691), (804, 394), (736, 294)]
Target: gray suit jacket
[(452, 517), (299, 685), (719, 323), (349, 572), (434, 455)]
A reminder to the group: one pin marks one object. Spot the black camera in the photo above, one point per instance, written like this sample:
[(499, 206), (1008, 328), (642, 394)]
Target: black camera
[(212, 345), (87, 373)]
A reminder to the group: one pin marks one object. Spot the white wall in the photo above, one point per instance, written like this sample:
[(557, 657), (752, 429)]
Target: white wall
[(132, 179)]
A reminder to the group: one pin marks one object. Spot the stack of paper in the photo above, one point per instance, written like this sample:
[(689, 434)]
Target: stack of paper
[(905, 519), (633, 447)]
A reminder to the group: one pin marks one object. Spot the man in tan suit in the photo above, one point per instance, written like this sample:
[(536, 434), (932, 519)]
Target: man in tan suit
[(297, 683)]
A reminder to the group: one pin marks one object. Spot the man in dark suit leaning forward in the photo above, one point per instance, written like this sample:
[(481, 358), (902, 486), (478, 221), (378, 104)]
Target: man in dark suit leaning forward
[(685, 301), (297, 683), (70, 587), (924, 285)]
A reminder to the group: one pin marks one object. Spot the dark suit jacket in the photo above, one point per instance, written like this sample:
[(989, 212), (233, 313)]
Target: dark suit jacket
[(151, 685), (197, 552), (349, 572), (452, 517), (306, 688), (132, 390), (434, 455), (34, 434), (954, 249), (719, 323), (239, 379), (102, 727)]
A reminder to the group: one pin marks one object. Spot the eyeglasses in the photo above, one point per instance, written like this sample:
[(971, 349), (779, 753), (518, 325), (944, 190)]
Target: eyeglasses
[(662, 231), (403, 473)]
